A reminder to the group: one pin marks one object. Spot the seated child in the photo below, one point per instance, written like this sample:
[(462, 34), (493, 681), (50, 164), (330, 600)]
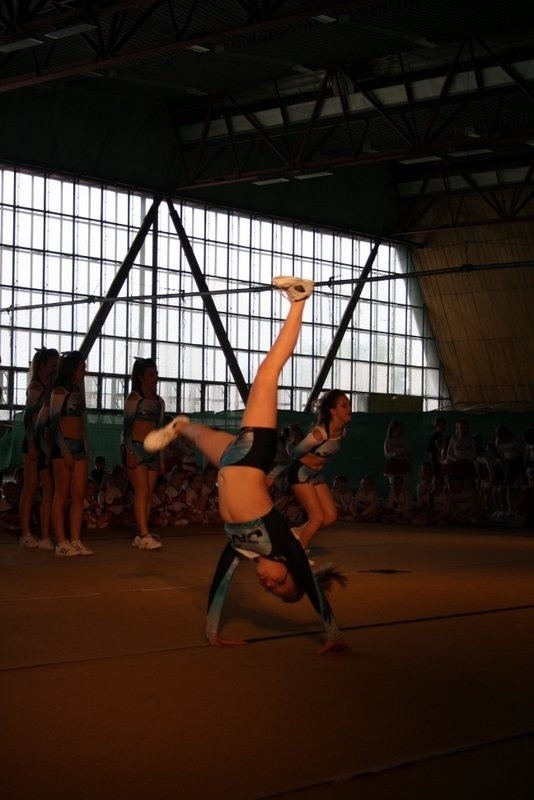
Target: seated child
[(523, 503), (116, 499), (212, 494), (421, 510), (439, 502), (94, 516), (196, 499), (462, 502), (342, 498), (175, 500), (399, 503), (365, 504), (159, 513), (9, 506)]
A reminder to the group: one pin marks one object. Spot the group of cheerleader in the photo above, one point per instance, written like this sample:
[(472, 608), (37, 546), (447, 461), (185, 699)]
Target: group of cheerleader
[(56, 458)]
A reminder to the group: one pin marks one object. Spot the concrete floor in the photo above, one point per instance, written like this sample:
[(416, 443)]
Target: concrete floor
[(109, 689)]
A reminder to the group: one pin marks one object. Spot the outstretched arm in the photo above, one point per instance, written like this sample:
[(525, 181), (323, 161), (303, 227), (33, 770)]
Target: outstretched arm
[(300, 568), (224, 572)]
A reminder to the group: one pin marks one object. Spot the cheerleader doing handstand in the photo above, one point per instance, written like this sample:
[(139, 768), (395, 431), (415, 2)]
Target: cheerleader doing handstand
[(254, 528)]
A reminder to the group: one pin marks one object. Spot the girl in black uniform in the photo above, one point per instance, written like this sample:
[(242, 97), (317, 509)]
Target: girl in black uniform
[(253, 527)]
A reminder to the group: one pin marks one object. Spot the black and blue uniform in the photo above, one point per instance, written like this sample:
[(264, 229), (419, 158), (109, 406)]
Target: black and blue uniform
[(268, 536)]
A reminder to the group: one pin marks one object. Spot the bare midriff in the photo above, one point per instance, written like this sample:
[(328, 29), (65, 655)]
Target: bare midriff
[(243, 494)]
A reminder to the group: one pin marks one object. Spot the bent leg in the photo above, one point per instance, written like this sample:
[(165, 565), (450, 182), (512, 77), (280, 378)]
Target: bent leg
[(318, 503)]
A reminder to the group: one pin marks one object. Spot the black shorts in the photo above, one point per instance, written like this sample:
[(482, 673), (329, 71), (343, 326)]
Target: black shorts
[(253, 447)]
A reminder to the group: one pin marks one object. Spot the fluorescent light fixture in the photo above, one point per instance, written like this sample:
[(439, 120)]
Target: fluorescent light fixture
[(270, 181), (326, 19), (307, 175), (369, 147), (472, 132), (20, 44), (197, 48), (482, 151), (63, 33), (419, 160), (302, 70)]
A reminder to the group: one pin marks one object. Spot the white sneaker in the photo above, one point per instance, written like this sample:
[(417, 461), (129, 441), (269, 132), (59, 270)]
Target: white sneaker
[(295, 289), (66, 549), (160, 438), (46, 544), (147, 542), (29, 542), (80, 548)]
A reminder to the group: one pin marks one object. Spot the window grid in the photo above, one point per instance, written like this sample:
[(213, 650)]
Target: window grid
[(62, 242)]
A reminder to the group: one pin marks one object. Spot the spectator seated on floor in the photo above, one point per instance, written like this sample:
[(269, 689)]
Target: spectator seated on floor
[(212, 493), (523, 503), (342, 497), (188, 454), (484, 465), (512, 453), (99, 471), (159, 513), (9, 506), (288, 505), (175, 501), (365, 502), (421, 509), (115, 497), (399, 503), (439, 502), (94, 516), (196, 498), (463, 506)]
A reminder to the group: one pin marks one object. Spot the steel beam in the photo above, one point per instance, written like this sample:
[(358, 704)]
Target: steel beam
[(343, 325), (119, 279), (209, 304)]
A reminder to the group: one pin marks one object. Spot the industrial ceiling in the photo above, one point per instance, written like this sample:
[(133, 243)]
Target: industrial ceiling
[(407, 120)]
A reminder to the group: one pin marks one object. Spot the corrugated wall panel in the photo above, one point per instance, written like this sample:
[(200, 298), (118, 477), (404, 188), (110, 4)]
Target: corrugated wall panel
[(483, 320)]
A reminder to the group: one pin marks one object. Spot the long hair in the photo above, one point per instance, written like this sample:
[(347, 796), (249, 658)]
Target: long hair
[(326, 577), (138, 370), (395, 423), (325, 405), (39, 359), (68, 364)]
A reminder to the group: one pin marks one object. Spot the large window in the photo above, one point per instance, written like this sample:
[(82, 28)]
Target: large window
[(62, 243)]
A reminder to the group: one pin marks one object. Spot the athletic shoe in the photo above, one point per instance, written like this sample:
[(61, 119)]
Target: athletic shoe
[(80, 548), (66, 549), (160, 438), (295, 289), (46, 544), (147, 542), (29, 542)]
